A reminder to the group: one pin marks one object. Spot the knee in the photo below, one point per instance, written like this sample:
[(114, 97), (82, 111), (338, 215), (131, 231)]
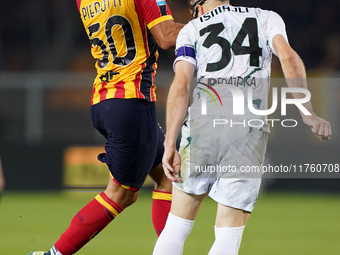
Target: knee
[(130, 200), (164, 185), (122, 197)]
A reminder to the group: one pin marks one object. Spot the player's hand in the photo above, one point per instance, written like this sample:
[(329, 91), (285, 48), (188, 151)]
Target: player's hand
[(171, 163), (320, 127)]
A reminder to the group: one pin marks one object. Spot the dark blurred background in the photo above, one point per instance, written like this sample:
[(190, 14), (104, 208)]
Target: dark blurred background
[(46, 75)]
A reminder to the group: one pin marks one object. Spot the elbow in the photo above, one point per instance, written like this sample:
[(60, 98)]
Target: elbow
[(290, 58), (165, 33), (167, 39), (165, 43)]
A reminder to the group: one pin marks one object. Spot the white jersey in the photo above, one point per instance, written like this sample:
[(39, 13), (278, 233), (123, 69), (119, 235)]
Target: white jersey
[(231, 48)]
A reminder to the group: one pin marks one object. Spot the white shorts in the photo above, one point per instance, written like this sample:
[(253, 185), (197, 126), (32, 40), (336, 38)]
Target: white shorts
[(219, 160)]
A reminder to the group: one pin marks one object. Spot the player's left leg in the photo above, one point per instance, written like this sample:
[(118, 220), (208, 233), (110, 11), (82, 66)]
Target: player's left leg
[(162, 192), (161, 196), (184, 209), (229, 226)]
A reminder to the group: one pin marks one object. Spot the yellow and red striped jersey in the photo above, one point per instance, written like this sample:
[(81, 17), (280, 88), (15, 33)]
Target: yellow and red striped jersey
[(123, 46)]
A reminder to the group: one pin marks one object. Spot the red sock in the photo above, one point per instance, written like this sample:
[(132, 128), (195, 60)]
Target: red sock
[(87, 223), (160, 209)]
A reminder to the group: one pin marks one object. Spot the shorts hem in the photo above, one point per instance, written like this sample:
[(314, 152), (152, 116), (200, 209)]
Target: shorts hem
[(125, 186)]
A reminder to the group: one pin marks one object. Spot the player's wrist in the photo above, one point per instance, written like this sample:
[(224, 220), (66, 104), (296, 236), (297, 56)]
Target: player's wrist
[(169, 144), (306, 118)]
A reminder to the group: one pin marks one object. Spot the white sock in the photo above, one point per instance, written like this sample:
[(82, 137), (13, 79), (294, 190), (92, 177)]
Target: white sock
[(54, 251), (227, 241), (171, 241)]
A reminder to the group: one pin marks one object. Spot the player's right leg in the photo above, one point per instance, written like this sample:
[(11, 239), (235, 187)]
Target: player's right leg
[(184, 209)]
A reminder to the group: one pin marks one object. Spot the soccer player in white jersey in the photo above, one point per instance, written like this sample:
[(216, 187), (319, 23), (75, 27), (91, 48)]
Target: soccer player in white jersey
[(236, 45)]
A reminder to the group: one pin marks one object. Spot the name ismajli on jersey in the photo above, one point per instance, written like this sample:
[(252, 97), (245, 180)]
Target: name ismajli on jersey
[(222, 9), (92, 10)]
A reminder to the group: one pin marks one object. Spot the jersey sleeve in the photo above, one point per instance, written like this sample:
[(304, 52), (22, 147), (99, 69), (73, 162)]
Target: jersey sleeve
[(78, 4), (155, 12), (275, 26), (185, 45)]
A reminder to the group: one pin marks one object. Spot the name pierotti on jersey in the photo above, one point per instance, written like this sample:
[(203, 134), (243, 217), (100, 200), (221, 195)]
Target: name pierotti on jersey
[(92, 10), (222, 9)]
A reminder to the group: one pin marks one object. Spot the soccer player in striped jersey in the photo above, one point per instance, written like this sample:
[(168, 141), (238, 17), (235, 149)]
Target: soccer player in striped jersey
[(233, 44), (124, 35)]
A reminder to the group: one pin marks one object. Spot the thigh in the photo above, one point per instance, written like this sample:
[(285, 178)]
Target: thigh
[(185, 205), (230, 217)]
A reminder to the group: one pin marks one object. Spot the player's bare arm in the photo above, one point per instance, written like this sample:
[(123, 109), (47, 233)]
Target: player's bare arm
[(176, 109), (165, 33), (295, 74)]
